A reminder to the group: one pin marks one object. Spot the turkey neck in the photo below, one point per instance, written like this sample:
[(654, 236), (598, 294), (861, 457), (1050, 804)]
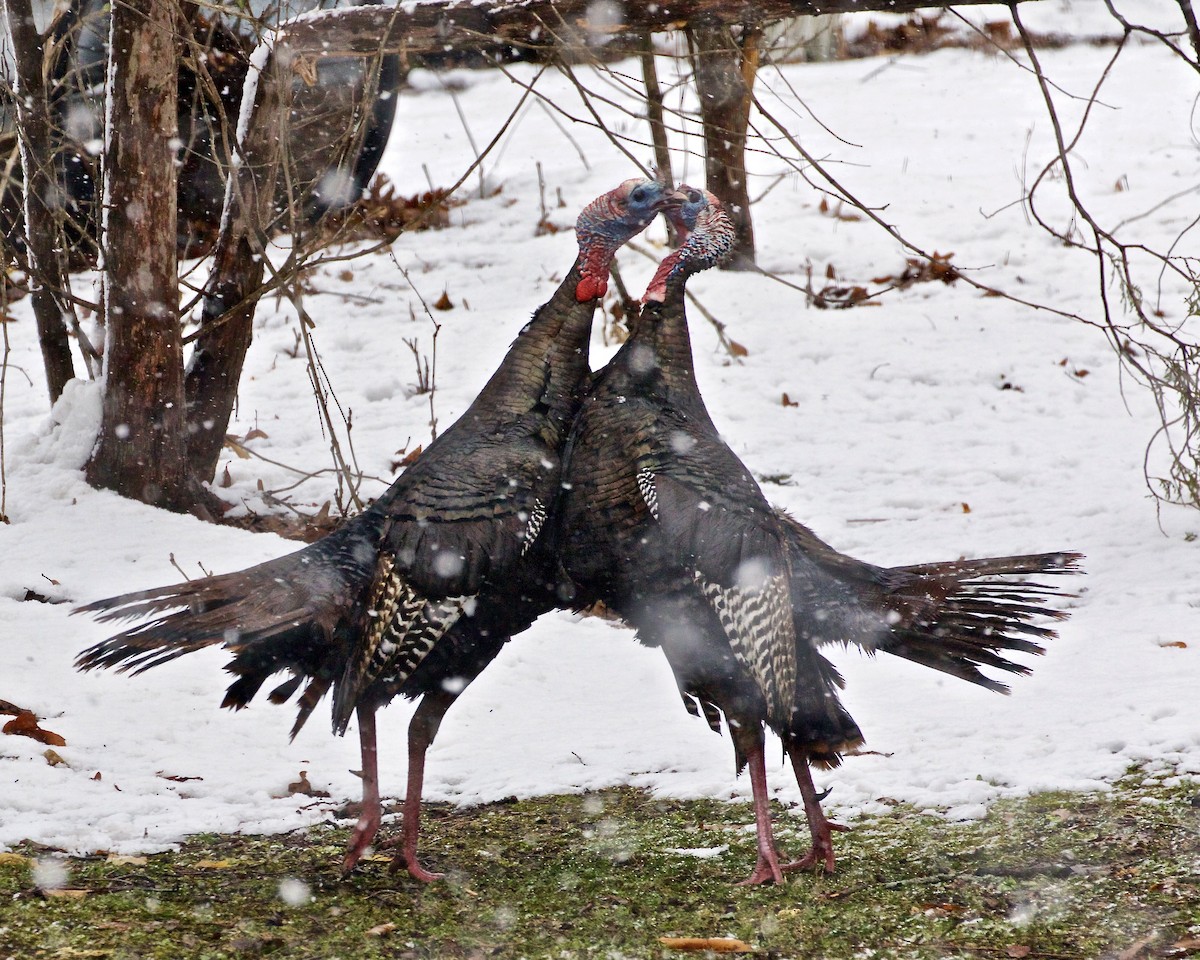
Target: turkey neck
[(546, 364), (657, 359)]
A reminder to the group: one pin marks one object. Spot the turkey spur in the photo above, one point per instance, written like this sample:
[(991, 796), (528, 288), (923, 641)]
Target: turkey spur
[(417, 594), (660, 520)]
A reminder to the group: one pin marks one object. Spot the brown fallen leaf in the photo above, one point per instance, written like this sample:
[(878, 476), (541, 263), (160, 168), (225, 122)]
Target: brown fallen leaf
[(25, 724), (1178, 644), (443, 302), (214, 864), (302, 786), (382, 930), (789, 402), (737, 350), (715, 944), (1018, 950), (123, 861), (409, 458), (234, 444), (66, 893), (53, 758)]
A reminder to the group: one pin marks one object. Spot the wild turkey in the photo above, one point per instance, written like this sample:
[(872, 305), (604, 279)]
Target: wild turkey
[(661, 521), (417, 594)]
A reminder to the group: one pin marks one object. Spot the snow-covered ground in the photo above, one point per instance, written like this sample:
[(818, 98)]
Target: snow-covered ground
[(909, 412)]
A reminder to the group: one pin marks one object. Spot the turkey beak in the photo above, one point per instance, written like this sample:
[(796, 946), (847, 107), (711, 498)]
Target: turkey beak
[(672, 201)]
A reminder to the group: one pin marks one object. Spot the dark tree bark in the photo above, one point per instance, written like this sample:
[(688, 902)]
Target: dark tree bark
[(52, 305), (433, 27), (724, 70), (655, 114), (234, 283), (254, 207), (142, 450)]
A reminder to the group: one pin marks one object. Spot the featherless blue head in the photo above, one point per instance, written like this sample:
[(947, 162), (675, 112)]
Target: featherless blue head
[(709, 233), (683, 217), (609, 221)]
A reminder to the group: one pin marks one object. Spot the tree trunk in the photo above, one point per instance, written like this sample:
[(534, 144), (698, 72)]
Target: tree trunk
[(658, 128), (233, 287), (142, 450), (53, 309), (724, 74)]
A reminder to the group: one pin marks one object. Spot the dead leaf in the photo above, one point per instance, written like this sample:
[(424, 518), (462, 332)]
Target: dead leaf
[(1018, 950), (53, 758), (226, 480), (715, 944), (97, 776), (66, 893), (122, 861), (214, 864), (302, 786), (254, 434), (234, 444), (1082, 373), (1179, 644), (7, 706), (789, 402), (13, 860), (25, 724), (346, 276), (443, 302), (409, 458), (737, 349), (966, 507), (382, 930)]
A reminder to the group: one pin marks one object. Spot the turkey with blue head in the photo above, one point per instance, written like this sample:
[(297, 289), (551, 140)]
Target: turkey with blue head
[(661, 521), (418, 593)]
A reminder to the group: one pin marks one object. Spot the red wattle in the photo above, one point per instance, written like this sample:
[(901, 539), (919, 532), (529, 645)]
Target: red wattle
[(589, 288)]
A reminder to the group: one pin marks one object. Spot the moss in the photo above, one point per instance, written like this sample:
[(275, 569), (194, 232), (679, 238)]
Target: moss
[(1054, 875)]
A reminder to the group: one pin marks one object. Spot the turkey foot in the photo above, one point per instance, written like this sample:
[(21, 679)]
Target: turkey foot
[(361, 838), (821, 852), (406, 859)]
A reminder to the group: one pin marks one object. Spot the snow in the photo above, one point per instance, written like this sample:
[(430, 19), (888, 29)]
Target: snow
[(905, 447)]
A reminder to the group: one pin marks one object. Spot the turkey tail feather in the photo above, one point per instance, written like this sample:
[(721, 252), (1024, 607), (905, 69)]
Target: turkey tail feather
[(958, 616)]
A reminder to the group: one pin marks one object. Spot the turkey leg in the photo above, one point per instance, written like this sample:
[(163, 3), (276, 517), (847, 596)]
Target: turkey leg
[(368, 820), (820, 827), (421, 731), (767, 869)]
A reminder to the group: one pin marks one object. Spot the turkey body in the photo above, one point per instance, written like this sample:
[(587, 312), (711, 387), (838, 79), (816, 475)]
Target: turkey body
[(413, 597), (662, 522), (416, 595)]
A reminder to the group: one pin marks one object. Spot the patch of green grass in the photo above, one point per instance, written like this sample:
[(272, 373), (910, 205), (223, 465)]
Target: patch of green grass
[(1054, 876)]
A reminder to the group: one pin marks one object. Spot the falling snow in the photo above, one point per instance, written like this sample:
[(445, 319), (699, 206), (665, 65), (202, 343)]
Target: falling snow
[(902, 418)]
